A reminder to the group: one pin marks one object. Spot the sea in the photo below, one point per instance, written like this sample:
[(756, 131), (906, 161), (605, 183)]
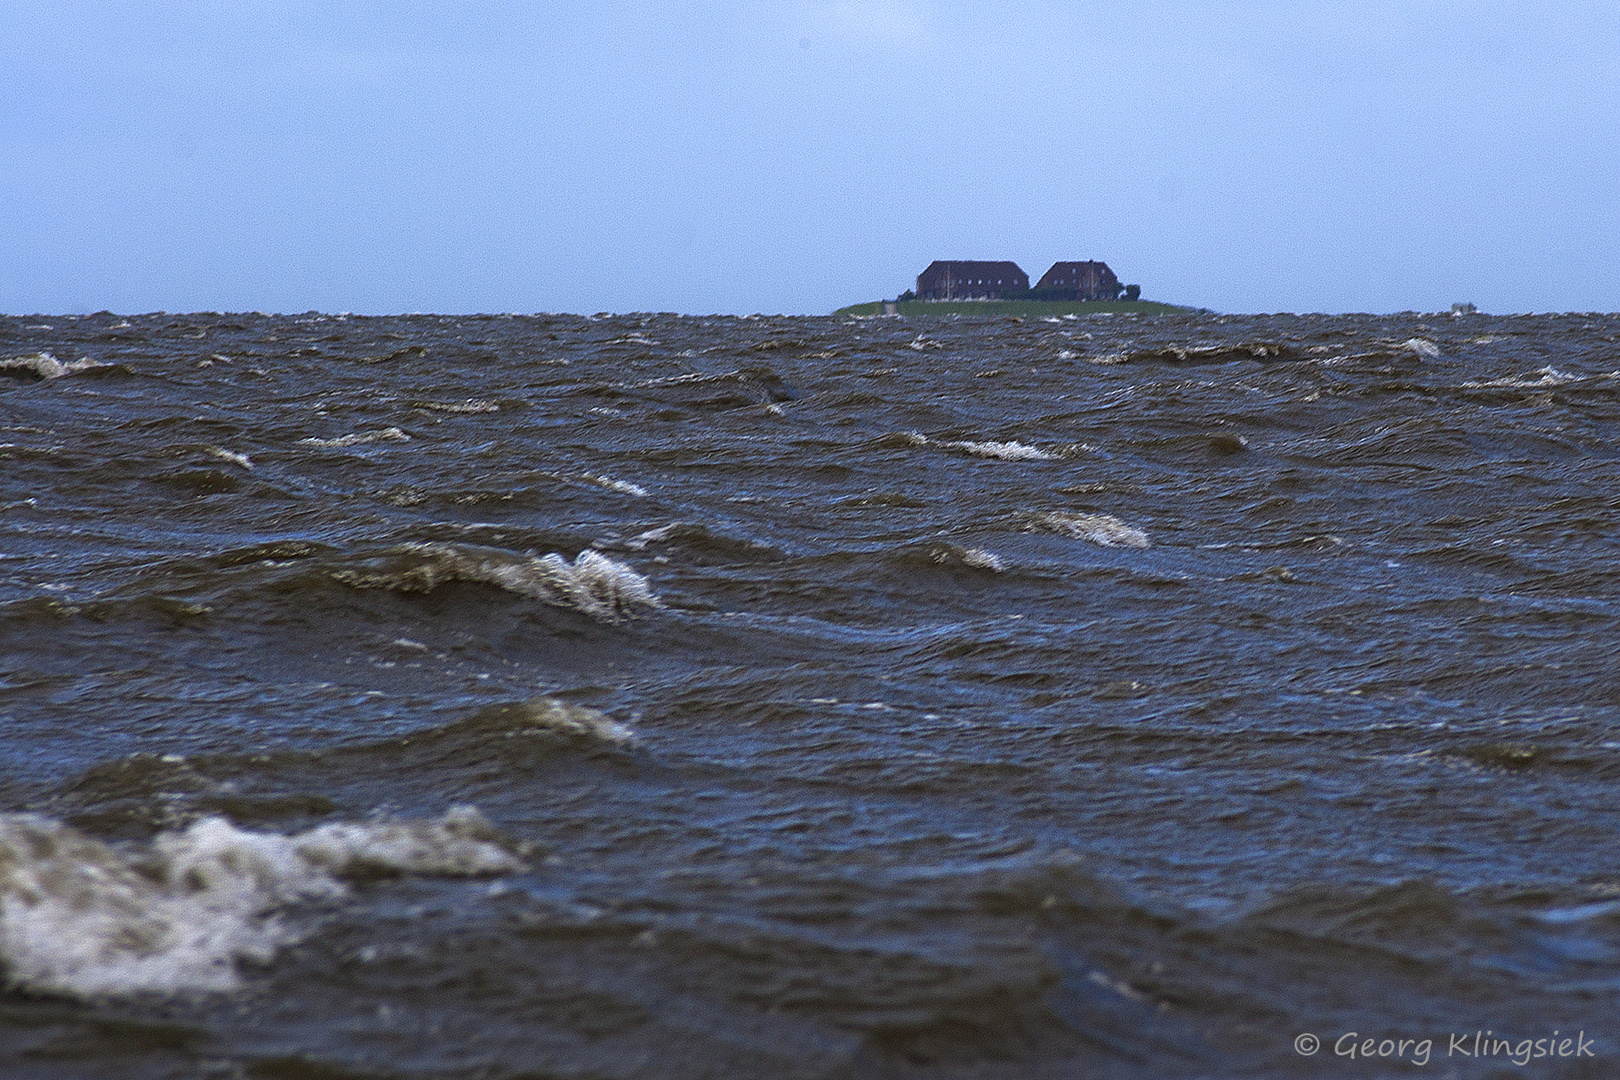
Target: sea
[(809, 698)]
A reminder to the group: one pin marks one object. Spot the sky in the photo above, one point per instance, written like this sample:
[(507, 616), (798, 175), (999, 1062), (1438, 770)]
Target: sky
[(794, 156)]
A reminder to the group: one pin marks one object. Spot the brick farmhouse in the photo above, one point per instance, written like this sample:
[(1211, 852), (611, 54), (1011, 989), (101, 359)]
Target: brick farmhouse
[(970, 280)]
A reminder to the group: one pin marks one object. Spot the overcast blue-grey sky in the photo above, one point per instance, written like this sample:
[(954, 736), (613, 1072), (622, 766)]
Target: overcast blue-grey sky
[(796, 155)]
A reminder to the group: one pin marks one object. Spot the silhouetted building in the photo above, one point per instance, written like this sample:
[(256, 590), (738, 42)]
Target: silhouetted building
[(961, 280), (1079, 281)]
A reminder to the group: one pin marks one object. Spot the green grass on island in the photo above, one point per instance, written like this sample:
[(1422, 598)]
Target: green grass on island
[(1020, 307)]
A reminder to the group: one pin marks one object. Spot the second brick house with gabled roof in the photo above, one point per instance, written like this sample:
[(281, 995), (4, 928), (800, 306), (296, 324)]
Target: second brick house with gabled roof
[(1080, 281)]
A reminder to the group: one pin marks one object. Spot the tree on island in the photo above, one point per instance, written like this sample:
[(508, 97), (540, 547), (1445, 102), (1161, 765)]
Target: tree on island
[(1133, 292)]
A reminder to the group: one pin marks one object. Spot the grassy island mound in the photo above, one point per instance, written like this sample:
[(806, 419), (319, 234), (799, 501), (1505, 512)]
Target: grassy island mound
[(1020, 307)]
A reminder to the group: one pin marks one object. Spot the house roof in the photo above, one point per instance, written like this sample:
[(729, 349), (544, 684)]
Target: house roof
[(1075, 267), (975, 267)]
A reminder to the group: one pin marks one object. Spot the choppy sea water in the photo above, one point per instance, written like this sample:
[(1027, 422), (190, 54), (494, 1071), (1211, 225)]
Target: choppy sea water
[(649, 696)]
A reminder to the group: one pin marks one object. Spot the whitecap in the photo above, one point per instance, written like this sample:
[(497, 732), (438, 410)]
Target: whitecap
[(43, 366), (232, 456), (1421, 347), (471, 405), (622, 486), (592, 584), (975, 558), (548, 714), (1002, 451), (359, 438), (1010, 450), (1102, 529), (1540, 378), (984, 560), (81, 917)]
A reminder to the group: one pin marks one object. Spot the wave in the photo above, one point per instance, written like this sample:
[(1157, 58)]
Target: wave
[(290, 786), (81, 917), (470, 405), (1008, 450), (592, 584), (359, 438), (43, 367), (1102, 529), (699, 544), (230, 455), (624, 487), (549, 716), (1003, 451), (1202, 354), (1541, 379), (747, 386), (409, 352), (951, 556), (977, 558)]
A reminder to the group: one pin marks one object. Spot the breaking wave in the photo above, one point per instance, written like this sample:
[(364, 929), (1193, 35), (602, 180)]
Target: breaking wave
[(980, 559), (1010, 450), (1002, 451), (1541, 378), (951, 556), (359, 438), (1102, 529), (1202, 354), (624, 487), (82, 917), (548, 716), (43, 367), (592, 584)]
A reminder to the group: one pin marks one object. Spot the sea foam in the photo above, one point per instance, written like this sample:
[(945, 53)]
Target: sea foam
[(82, 917)]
